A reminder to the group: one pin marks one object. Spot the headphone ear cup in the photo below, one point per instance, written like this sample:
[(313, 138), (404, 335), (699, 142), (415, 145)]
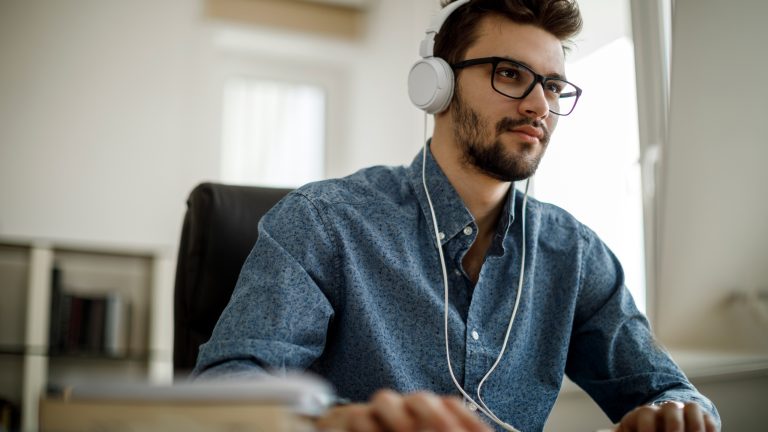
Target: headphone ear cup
[(430, 84)]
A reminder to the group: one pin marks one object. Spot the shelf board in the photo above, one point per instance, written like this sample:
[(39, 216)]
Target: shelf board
[(20, 351), (11, 350), (133, 357)]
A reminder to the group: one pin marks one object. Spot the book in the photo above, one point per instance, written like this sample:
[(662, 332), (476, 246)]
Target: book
[(263, 404), (116, 326), (94, 329), (75, 324), (55, 334), (93, 324)]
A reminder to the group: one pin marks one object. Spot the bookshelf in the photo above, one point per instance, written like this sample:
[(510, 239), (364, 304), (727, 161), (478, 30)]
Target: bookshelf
[(116, 324)]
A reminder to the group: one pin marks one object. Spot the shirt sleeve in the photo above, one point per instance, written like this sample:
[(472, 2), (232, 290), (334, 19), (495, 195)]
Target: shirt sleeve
[(278, 317), (613, 355)]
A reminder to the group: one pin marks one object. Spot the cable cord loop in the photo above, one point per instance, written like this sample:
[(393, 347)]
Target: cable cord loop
[(481, 405)]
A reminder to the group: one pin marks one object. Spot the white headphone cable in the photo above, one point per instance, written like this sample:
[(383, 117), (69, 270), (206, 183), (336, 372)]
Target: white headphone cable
[(481, 406), (517, 299)]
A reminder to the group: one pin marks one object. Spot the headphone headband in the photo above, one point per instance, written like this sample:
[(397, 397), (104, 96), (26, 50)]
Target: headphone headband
[(426, 49)]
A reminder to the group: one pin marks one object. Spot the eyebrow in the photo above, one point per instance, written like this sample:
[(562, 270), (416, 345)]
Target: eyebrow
[(552, 75)]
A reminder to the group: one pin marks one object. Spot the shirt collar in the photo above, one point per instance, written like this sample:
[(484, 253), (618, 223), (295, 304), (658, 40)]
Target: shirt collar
[(451, 213)]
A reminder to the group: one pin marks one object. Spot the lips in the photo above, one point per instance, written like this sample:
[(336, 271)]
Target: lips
[(525, 130), (529, 131)]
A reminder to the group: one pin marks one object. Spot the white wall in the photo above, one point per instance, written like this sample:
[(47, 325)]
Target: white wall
[(714, 231), (109, 110), (92, 105)]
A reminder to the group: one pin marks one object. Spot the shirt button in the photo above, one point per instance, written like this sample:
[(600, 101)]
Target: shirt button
[(475, 335), (468, 230), (457, 272), (441, 235)]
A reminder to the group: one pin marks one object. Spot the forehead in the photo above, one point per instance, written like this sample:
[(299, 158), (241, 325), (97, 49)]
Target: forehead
[(500, 37)]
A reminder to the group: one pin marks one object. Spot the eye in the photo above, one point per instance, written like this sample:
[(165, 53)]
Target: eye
[(510, 73), (555, 86)]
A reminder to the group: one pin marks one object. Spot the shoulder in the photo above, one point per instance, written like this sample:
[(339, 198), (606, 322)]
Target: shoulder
[(378, 184), (560, 232), (562, 235), (558, 223)]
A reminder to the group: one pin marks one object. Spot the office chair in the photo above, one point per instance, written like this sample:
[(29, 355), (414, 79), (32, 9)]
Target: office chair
[(220, 228)]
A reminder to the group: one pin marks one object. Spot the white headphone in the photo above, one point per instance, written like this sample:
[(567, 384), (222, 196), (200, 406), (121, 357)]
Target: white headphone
[(430, 82)]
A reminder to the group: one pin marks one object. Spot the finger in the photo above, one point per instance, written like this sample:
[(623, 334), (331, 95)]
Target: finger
[(466, 418), (628, 423), (646, 419), (389, 408), (430, 413), (337, 418), (672, 418), (364, 423), (711, 426), (694, 418)]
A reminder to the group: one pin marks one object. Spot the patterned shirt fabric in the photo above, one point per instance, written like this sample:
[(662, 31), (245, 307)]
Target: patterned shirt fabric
[(345, 282)]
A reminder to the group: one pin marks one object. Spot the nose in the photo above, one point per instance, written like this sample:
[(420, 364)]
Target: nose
[(535, 104)]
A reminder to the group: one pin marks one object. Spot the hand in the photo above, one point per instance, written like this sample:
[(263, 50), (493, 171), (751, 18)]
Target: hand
[(669, 416), (390, 411)]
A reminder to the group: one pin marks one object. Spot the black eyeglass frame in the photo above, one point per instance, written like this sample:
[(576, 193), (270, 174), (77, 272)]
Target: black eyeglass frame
[(537, 79)]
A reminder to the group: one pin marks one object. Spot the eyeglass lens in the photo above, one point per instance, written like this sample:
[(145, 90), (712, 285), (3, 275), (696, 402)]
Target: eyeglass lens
[(514, 80)]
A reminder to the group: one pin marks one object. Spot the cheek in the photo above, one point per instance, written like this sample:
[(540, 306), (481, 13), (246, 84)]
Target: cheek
[(552, 122)]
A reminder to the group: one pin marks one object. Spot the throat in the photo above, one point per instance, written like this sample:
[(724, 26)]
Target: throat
[(475, 256)]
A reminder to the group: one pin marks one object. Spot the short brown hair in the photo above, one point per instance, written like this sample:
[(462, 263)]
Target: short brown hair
[(561, 18)]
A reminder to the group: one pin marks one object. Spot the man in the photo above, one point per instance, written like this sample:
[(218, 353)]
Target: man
[(346, 280)]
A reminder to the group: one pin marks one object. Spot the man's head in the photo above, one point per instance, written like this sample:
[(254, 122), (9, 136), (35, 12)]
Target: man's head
[(561, 18), (500, 131)]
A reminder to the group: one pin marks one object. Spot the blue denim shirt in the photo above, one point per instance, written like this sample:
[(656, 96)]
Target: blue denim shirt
[(345, 281)]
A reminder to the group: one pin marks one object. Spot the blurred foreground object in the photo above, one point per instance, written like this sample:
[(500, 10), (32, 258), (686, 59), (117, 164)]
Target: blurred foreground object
[(263, 404)]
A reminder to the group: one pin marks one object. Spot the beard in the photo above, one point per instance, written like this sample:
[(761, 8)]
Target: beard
[(489, 155)]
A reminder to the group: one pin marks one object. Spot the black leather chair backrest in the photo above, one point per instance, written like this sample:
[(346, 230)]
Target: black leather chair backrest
[(219, 230)]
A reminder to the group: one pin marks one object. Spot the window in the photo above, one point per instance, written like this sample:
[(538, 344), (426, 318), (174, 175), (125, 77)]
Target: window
[(273, 133), (592, 165)]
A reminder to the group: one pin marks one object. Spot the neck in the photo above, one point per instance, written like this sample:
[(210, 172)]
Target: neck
[(482, 195)]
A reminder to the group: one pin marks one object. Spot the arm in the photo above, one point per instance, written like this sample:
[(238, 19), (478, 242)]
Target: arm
[(280, 310), (279, 316), (613, 355)]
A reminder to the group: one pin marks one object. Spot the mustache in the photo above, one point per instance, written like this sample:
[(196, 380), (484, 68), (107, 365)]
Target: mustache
[(508, 124)]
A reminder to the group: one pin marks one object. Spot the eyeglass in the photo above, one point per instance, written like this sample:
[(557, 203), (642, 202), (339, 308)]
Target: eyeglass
[(516, 81)]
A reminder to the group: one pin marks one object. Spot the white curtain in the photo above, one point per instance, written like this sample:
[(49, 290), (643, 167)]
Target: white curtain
[(273, 133)]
